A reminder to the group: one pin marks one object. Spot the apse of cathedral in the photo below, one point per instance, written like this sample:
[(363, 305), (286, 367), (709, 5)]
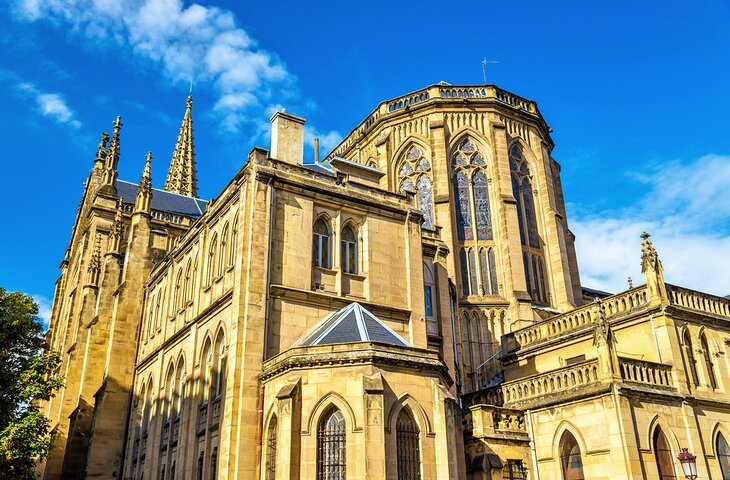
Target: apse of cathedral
[(408, 307)]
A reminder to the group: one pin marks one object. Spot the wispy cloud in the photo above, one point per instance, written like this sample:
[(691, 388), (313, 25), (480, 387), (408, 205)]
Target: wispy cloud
[(686, 208), (183, 42), (44, 308), (51, 105)]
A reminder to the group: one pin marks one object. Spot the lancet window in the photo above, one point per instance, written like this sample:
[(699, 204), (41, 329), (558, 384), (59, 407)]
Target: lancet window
[(331, 446), (706, 355), (691, 358), (414, 176), (321, 245), (663, 456), (474, 220), (534, 264), (348, 250), (723, 456), (271, 449), (570, 458), (408, 446)]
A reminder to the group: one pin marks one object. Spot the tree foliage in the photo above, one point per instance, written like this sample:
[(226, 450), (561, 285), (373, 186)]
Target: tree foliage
[(27, 376)]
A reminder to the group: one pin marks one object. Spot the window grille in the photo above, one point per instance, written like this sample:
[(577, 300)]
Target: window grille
[(331, 447), (271, 450), (408, 448), (514, 470)]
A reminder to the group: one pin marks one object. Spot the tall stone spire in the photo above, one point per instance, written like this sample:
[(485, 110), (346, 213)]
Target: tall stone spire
[(112, 155), (181, 177), (144, 191)]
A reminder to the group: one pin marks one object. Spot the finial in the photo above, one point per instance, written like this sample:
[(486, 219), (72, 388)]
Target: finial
[(645, 235), (101, 150), (144, 190), (649, 256), (631, 283), (117, 123)]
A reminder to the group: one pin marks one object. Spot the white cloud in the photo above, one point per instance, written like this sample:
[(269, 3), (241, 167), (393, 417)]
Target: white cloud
[(686, 208), (51, 105), (44, 308), (183, 42)]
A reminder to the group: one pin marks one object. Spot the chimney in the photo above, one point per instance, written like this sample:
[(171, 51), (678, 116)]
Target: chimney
[(316, 150), (287, 138)]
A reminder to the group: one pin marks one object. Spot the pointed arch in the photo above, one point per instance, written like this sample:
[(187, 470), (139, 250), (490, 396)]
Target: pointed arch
[(564, 426), (206, 368), (332, 445), (412, 173), (406, 400), (220, 268), (462, 133), (349, 261), (220, 352), (327, 400), (689, 352), (322, 242), (721, 449), (571, 457), (707, 358), (663, 455), (271, 443), (400, 153), (408, 446)]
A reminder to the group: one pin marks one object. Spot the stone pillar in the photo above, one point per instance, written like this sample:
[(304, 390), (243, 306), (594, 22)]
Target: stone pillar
[(374, 427), (289, 426)]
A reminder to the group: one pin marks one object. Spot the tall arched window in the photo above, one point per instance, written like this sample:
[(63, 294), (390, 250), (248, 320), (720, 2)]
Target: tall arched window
[(177, 296), (464, 273), (331, 446), (570, 458), (723, 456), (214, 464), (179, 390), (212, 251), (271, 438), (527, 221), (348, 250), (222, 256), (691, 360), (321, 245), (207, 372), (188, 290), (663, 455), (232, 246), (708, 362), (408, 449), (147, 411), (429, 298), (220, 374), (463, 206), (413, 176)]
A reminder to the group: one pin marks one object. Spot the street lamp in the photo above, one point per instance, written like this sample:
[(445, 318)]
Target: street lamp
[(689, 464)]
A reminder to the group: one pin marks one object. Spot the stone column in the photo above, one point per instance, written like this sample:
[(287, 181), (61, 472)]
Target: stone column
[(374, 427), (289, 426)]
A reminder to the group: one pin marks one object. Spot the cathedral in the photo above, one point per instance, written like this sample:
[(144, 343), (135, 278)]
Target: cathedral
[(407, 307)]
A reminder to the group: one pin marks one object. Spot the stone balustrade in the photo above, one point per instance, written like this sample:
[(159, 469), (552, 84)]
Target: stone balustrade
[(703, 302), (615, 305), (482, 420), (646, 373), (215, 415), (553, 382), (202, 418), (433, 93)]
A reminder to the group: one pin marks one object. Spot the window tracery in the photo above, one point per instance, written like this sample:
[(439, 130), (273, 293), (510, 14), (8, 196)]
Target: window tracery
[(474, 218), (414, 177), (527, 221)]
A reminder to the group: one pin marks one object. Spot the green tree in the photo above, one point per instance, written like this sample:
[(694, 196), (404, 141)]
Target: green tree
[(27, 376)]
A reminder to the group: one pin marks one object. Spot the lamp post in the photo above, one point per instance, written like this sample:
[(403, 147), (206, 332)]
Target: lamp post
[(689, 464)]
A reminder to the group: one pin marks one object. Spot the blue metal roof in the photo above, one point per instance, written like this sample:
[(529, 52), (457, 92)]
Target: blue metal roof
[(163, 200)]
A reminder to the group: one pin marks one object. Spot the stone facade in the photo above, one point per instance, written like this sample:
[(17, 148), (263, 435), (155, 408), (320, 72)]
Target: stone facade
[(186, 326)]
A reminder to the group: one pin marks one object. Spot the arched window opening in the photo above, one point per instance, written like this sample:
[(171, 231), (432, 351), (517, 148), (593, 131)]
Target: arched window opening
[(212, 251), (708, 362), (222, 256), (348, 251), (691, 360), (188, 290), (232, 246), (407, 446), (429, 290), (321, 245), (177, 299), (169, 394), (493, 271), (723, 456), (413, 177), (331, 446), (570, 458), (473, 287), (271, 438), (201, 461), (207, 373), (663, 455), (214, 463), (220, 374), (180, 391), (147, 410)]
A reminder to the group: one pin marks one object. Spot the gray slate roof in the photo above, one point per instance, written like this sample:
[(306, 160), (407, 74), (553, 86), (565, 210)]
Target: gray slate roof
[(163, 200), (351, 324)]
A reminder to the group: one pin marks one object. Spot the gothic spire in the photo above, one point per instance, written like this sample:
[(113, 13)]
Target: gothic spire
[(112, 154), (144, 190), (181, 177)]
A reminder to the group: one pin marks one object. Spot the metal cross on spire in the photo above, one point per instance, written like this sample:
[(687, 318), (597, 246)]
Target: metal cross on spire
[(484, 68)]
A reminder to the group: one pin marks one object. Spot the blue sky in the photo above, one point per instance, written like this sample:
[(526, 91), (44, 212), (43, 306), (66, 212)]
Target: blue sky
[(636, 93)]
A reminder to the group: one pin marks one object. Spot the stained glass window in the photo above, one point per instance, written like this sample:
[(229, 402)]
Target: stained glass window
[(425, 201), (463, 207), (484, 271), (331, 446), (464, 272), (493, 271), (481, 205), (408, 446), (530, 214), (518, 197)]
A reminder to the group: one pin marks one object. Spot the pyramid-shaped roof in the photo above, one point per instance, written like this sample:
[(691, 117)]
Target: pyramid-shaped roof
[(351, 324)]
